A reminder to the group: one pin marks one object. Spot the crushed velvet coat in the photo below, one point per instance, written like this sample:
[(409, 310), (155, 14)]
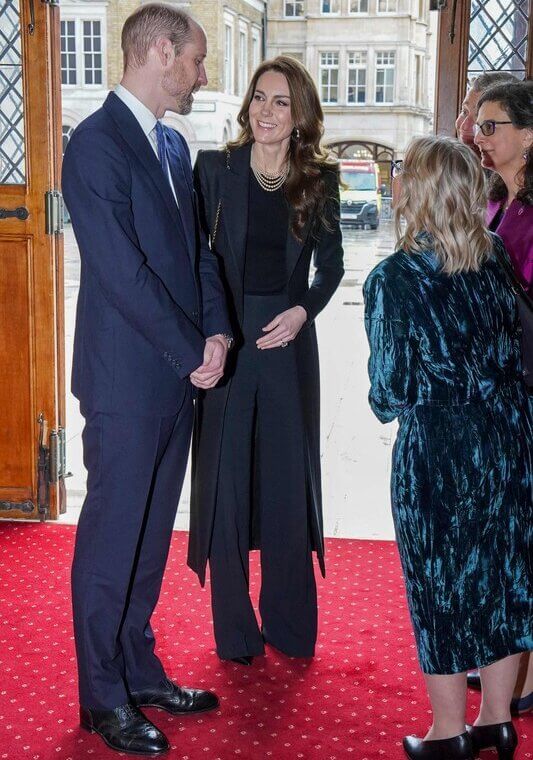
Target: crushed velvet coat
[(445, 360), (216, 182)]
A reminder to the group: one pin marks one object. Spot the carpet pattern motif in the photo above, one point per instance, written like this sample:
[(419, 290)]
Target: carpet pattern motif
[(355, 700)]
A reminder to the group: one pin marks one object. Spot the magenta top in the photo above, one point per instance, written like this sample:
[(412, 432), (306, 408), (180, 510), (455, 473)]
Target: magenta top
[(516, 230)]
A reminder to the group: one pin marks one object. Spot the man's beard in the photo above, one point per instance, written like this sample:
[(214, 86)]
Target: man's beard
[(185, 104), (183, 100)]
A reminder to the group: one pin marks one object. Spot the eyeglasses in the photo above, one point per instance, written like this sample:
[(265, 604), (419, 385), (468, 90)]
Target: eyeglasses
[(488, 127), (396, 167)]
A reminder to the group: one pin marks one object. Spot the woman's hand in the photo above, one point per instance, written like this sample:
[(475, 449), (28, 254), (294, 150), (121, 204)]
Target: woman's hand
[(283, 328)]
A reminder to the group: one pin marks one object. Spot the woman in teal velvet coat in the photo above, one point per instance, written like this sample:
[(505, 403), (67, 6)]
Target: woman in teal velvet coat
[(445, 360)]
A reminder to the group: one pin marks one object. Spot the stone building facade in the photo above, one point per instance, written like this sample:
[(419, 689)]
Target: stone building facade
[(91, 62), (373, 63)]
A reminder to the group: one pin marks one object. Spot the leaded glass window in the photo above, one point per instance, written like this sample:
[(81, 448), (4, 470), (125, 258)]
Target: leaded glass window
[(12, 157), (498, 37)]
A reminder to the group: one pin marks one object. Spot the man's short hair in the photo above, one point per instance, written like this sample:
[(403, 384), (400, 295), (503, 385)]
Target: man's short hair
[(149, 23), (489, 78)]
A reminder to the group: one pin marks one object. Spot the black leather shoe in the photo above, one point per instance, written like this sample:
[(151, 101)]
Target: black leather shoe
[(174, 699), (500, 736), (245, 660), (125, 729), (455, 748), (473, 680)]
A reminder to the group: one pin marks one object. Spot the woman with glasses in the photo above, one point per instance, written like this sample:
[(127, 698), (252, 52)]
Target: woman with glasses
[(445, 360), (504, 135)]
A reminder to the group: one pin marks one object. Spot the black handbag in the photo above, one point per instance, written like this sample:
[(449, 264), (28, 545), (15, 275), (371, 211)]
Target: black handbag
[(525, 312)]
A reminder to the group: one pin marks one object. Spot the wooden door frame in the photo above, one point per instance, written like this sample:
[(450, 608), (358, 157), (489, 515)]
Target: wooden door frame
[(452, 62), (41, 77)]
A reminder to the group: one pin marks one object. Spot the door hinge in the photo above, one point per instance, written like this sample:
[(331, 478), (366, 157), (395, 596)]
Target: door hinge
[(58, 456), (53, 212), (51, 464), (43, 470)]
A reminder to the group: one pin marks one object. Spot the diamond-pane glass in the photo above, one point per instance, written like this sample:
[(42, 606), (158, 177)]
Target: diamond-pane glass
[(12, 160), (498, 37)]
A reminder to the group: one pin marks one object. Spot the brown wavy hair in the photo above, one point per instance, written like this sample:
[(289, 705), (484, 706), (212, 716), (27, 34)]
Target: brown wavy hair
[(442, 195), (305, 188), (516, 99)]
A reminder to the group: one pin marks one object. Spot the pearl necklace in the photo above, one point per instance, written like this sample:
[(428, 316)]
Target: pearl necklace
[(268, 181)]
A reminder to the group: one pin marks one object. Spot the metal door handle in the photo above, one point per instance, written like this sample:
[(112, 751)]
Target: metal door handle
[(21, 213)]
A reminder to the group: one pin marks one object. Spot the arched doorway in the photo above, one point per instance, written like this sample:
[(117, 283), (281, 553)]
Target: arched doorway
[(363, 150)]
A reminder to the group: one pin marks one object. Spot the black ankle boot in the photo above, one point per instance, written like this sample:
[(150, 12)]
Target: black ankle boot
[(456, 748), (500, 736)]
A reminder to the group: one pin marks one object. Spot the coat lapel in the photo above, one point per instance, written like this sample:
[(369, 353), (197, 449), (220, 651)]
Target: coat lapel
[(235, 188), (295, 247), (131, 131)]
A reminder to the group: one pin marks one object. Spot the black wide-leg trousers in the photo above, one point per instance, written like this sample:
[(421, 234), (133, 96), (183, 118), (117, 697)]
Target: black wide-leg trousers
[(263, 464), (135, 471)]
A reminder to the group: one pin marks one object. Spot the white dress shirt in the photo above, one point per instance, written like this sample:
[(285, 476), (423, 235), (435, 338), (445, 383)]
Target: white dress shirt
[(147, 123)]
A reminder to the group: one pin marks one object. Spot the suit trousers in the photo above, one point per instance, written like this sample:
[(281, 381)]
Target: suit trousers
[(136, 467), (263, 471)]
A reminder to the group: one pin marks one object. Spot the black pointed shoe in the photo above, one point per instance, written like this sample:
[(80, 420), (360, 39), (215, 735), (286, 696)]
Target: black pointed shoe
[(125, 729), (244, 660), (174, 699), (473, 680), (499, 736), (455, 748)]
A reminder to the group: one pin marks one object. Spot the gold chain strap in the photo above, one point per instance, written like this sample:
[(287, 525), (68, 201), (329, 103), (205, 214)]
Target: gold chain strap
[(219, 208), (215, 228)]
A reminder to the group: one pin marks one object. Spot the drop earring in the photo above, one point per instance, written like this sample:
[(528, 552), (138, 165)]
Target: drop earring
[(297, 133)]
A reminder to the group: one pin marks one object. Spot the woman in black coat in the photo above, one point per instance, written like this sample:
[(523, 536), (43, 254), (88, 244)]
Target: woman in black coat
[(269, 202)]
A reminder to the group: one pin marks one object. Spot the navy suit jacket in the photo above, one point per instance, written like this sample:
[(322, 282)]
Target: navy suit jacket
[(149, 287)]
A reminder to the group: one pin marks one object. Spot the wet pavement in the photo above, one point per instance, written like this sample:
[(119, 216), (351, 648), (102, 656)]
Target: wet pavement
[(356, 448)]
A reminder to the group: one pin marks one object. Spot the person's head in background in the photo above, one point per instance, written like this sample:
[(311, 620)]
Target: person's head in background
[(505, 112), (464, 123)]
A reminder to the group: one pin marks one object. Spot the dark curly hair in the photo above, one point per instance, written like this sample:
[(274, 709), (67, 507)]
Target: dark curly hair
[(517, 102), (305, 186)]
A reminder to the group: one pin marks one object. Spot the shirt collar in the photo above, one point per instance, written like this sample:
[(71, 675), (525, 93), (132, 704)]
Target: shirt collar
[(143, 114)]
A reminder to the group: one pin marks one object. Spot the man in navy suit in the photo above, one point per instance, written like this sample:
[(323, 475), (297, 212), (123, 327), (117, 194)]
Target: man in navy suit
[(151, 324)]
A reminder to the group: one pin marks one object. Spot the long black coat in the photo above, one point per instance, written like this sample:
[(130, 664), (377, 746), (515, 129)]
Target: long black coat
[(224, 179)]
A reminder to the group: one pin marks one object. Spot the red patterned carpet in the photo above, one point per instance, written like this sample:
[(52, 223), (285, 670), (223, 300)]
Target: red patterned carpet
[(355, 700)]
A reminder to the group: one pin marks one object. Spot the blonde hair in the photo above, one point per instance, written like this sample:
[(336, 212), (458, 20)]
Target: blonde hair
[(443, 194), (147, 24)]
